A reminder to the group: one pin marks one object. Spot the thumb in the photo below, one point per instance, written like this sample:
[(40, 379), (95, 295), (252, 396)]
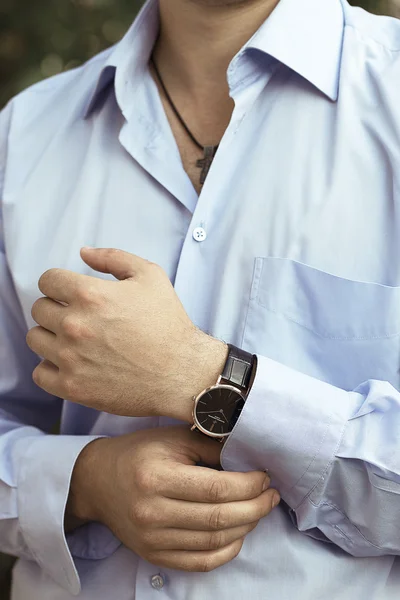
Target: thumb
[(207, 450), (120, 264)]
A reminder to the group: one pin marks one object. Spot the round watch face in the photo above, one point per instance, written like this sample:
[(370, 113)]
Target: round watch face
[(218, 409)]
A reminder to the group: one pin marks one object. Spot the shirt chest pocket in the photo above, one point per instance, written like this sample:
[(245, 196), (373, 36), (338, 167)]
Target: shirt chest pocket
[(338, 330)]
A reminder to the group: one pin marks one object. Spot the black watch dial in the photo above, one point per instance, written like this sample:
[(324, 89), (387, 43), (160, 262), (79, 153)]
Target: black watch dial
[(218, 410)]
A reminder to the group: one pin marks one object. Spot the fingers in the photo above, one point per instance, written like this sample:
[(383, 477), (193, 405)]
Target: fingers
[(46, 376), (43, 343), (206, 517), (48, 313), (203, 449), (202, 561), (181, 539), (64, 286), (122, 265), (199, 484)]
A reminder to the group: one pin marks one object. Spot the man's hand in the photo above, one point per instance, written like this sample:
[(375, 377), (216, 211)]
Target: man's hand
[(126, 347), (146, 488)]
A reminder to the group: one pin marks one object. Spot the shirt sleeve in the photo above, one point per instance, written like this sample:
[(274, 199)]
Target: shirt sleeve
[(333, 455), (35, 467)]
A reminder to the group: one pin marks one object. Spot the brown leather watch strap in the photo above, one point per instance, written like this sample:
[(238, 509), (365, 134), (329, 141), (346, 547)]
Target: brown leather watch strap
[(238, 368)]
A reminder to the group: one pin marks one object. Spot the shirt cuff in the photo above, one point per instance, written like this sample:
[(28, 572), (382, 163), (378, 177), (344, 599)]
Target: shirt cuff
[(93, 541), (291, 426), (45, 466)]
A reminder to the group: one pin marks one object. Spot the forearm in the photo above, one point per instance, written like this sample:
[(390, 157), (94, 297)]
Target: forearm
[(199, 368)]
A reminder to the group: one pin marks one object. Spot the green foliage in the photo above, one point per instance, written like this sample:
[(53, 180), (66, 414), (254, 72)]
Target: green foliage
[(39, 38), (371, 5)]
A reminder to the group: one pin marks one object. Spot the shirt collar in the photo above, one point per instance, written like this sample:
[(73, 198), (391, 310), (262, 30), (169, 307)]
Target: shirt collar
[(305, 35), (127, 60)]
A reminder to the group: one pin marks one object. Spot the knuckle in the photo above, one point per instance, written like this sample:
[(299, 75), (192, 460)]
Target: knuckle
[(213, 561), (218, 518), (30, 337), (142, 513), (237, 549), (218, 490), (90, 295), (71, 327), (70, 387), (152, 265), (207, 564), (262, 510), (254, 487), (117, 253), (44, 278), (34, 309), (268, 503), (112, 252), (154, 269), (146, 480), (37, 376), (216, 540)]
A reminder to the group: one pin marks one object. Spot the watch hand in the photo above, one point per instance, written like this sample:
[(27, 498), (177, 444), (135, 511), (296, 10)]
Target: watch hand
[(208, 412), (223, 414)]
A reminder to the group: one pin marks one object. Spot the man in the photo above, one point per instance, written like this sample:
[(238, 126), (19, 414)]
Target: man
[(243, 158)]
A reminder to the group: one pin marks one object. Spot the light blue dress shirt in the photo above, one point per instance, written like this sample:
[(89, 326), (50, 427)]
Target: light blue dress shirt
[(298, 260)]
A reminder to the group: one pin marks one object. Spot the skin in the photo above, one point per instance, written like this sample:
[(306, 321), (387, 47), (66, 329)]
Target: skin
[(87, 340), (153, 496), (198, 40), (161, 505)]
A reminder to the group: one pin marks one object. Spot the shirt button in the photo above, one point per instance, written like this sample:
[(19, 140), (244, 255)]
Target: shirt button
[(199, 234), (157, 582)]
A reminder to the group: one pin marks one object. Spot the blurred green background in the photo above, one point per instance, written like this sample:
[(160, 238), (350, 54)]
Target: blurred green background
[(39, 38)]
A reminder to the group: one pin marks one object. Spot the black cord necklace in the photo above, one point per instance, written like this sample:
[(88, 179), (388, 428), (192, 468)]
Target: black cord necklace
[(209, 151)]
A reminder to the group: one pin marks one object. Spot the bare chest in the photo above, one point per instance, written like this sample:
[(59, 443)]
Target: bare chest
[(208, 129), (190, 154)]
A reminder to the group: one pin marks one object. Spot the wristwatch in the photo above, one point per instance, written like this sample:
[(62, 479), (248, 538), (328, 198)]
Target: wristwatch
[(217, 408)]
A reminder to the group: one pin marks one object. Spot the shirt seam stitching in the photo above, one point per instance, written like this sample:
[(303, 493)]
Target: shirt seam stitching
[(327, 468), (352, 525), (293, 319), (312, 460)]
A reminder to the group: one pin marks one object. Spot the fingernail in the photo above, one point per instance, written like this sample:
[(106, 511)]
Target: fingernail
[(275, 500), (267, 482), (87, 248)]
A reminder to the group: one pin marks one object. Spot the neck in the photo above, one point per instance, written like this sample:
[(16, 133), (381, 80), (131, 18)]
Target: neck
[(199, 38)]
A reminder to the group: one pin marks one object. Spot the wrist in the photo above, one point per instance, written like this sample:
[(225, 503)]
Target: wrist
[(85, 486), (203, 364)]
